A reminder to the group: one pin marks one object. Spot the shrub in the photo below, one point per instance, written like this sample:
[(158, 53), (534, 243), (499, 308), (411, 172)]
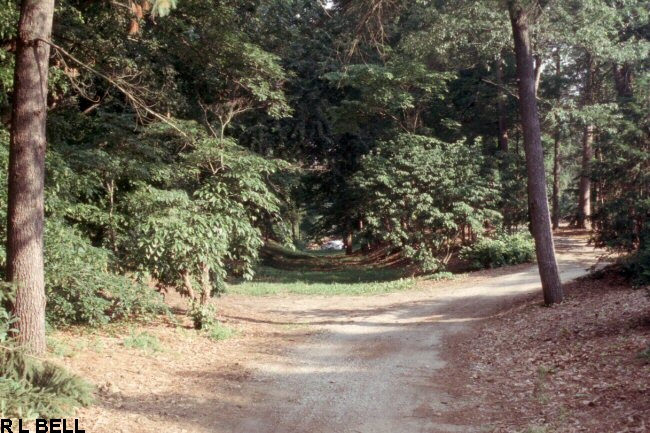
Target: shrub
[(203, 316), (32, 389), (80, 286), (637, 267), (419, 194), (503, 250)]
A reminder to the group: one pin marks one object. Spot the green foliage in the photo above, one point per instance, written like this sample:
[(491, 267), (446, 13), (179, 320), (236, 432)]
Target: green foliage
[(218, 331), (80, 286), (503, 250), (637, 267), (213, 221), (622, 222), (8, 20), (81, 283), (421, 194), (32, 389), (203, 316), (400, 86), (6, 319)]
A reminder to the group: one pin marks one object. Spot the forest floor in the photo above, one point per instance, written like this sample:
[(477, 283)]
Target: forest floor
[(473, 354)]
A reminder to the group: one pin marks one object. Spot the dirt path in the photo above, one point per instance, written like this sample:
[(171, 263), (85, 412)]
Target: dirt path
[(375, 365), (305, 364)]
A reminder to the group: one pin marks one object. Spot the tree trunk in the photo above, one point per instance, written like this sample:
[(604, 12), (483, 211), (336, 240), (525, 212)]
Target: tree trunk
[(556, 154), (623, 78), (348, 244), (539, 67), (556, 179), (501, 107), (537, 197), (584, 193), (187, 285), (206, 285), (27, 173)]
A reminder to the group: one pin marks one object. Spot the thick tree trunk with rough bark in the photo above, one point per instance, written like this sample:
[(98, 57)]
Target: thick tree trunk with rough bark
[(537, 196), (583, 214), (26, 172)]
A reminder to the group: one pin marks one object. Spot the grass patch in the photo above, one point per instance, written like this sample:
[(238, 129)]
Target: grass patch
[(59, 348), (143, 341), (217, 331), (349, 281), (287, 271)]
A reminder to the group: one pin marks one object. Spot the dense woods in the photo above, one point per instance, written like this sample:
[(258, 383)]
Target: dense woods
[(182, 136)]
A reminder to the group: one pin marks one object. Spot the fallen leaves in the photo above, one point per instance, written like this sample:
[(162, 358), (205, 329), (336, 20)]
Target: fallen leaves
[(574, 367)]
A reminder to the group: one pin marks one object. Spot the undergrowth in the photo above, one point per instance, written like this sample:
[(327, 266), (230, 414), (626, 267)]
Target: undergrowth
[(205, 320), (143, 341), (33, 388), (503, 250)]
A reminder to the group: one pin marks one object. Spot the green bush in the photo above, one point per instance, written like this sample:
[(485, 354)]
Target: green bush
[(80, 286), (503, 250), (418, 194), (637, 267), (203, 316)]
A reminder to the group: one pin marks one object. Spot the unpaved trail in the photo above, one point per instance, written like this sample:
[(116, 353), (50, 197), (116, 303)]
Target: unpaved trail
[(375, 365)]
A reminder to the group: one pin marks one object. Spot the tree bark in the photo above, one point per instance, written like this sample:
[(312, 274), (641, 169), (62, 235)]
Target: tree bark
[(501, 107), (206, 285), (623, 78), (537, 196), (27, 173), (187, 284), (556, 179), (555, 218), (584, 193), (348, 244)]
